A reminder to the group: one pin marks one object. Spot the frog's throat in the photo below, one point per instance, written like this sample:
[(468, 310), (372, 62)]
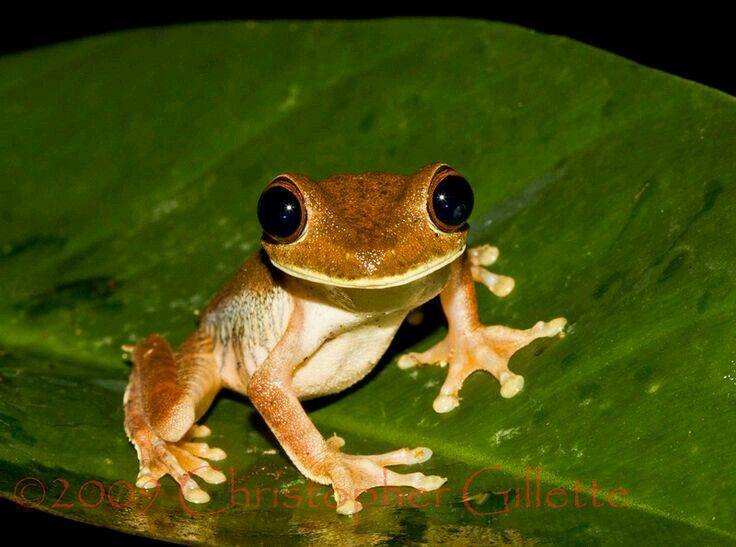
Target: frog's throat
[(369, 282)]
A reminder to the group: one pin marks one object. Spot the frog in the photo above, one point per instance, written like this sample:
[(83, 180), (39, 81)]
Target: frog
[(341, 264)]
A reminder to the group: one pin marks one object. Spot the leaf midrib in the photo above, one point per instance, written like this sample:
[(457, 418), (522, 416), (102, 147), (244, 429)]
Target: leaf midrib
[(466, 455)]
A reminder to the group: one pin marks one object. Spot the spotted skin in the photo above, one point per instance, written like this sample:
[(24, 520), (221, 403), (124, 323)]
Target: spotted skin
[(313, 317)]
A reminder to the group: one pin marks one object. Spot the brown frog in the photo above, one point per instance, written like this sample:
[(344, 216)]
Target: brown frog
[(343, 261)]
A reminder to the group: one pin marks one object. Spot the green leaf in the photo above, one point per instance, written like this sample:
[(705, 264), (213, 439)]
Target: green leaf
[(130, 167)]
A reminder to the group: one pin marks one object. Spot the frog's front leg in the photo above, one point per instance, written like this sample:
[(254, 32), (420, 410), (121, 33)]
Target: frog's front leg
[(271, 392), (485, 255), (469, 345), (166, 393)]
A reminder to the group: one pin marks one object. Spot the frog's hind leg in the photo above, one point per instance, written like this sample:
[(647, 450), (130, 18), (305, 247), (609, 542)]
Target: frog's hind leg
[(167, 392), (471, 346)]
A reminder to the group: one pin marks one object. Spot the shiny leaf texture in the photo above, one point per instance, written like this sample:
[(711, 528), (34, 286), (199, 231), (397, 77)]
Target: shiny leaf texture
[(130, 166)]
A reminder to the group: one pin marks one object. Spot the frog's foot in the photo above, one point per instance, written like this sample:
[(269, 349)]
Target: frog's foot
[(480, 348), (181, 460), (485, 255), (352, 475)]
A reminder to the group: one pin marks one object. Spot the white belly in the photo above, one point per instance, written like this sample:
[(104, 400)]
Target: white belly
[(346, 359), (367, 319)]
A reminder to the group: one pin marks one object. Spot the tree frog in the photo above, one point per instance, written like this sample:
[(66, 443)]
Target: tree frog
[(342, 262)]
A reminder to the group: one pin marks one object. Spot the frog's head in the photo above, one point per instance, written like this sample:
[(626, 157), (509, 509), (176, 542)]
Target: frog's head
[(369, 230)]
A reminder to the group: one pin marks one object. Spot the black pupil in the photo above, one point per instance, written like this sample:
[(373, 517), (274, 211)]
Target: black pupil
[(453, 200), (279, 212)]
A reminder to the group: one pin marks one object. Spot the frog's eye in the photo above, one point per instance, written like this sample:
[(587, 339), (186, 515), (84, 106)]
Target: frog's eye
[(450, 200), (281, 211)]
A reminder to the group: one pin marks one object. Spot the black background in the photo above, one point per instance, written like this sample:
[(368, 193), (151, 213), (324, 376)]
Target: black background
[(694, 43)]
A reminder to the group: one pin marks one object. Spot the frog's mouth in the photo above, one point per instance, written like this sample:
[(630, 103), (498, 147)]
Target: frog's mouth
[(371, 282)]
